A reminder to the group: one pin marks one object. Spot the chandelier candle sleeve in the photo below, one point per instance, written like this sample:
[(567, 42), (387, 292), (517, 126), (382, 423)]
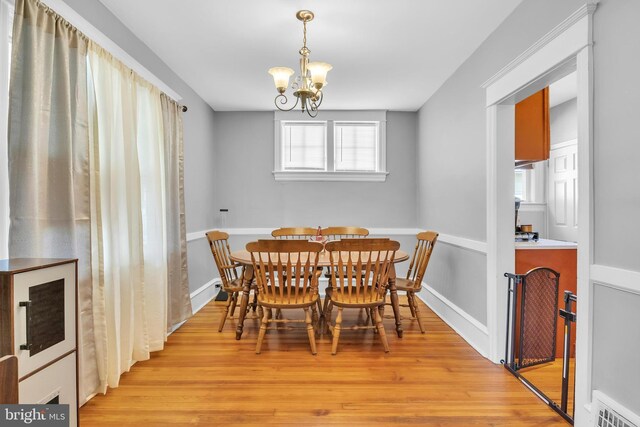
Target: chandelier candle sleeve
[(319, 72), (281, 77), (307, 87)]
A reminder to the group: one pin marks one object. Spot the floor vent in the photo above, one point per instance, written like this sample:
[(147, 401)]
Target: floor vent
[(609, 413)]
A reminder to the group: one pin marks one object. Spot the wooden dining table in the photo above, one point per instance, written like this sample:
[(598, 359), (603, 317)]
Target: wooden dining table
[(243, 257)]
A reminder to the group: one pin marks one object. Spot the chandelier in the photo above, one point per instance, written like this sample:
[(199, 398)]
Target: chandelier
[(308, 85)]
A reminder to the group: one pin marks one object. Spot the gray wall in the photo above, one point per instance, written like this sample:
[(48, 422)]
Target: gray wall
[(563, 119), (616, 370), (616, 345), (617, 134), (246, 186), (198, 132), (459, 275), (452, 155)]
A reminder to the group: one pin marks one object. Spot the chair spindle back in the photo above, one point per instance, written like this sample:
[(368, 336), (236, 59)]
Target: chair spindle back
[(338, 233), (360, 268), (426, 240), (219, 243), (294, 233), (285, 269)]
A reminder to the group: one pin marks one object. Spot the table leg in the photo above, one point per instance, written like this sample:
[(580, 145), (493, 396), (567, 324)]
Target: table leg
[(395, 304), (247, 278)]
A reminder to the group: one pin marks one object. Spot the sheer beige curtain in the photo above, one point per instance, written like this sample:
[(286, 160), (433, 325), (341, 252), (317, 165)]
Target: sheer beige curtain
[(140, 279), (49, 156), (95, 163), (179, 307)]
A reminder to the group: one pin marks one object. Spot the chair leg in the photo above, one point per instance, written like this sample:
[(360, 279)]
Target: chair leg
[(233, 300), (336, 332), (380, 327), (310, 331), (226, 313), (319, 304), (412, 304), (416, 309), (327, 316), (325, 320), (373, 317), (255, 302), (381, 308), (263, 330), (315, 318)]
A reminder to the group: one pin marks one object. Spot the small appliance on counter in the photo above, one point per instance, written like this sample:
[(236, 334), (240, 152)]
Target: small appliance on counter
[(524, 233)]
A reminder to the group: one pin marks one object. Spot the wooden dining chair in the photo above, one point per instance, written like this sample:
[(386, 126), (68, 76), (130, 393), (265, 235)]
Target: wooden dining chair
[(297, 233), (426, 240), (228, 270), (359, 273), (285, 272), (338, 233), (294, 233)]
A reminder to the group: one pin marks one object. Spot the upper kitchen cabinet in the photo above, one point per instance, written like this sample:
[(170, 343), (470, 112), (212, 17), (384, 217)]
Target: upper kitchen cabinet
[(532, 127)]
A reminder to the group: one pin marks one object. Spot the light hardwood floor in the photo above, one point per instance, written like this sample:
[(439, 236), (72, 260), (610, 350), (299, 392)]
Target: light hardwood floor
[(208, 378), (548, 379)]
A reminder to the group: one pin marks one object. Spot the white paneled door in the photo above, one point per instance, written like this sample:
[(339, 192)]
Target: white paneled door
[(563, 192)]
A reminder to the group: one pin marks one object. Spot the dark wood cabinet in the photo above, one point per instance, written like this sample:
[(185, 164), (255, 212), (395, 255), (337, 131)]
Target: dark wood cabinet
[(532, 130)]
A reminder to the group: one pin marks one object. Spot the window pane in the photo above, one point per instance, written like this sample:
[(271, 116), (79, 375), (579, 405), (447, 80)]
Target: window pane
[(521, 184), (356, 146), (303, 146)]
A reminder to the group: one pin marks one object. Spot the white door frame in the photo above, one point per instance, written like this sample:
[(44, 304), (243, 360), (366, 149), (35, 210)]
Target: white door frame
[(565, 49)]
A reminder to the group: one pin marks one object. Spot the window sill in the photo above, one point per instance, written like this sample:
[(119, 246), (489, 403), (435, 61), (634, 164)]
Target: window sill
[(330, 176)]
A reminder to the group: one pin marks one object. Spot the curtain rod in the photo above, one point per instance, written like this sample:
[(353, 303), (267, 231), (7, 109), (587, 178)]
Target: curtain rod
[(184, 108)]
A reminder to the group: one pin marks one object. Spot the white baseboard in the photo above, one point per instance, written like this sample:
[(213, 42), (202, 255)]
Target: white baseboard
[(199, 298), (469, 328), (205, 293)]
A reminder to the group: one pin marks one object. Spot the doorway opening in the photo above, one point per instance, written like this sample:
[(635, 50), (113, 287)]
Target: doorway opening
[(546, 235), (564, 50)]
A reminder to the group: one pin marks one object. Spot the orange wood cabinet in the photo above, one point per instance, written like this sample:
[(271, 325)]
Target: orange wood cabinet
[(564, 261), (532, 130)]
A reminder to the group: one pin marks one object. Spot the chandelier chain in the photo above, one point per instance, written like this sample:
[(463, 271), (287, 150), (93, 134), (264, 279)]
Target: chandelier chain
[(304, 34)]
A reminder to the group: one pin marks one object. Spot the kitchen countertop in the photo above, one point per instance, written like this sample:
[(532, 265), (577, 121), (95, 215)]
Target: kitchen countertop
[(546, 244)]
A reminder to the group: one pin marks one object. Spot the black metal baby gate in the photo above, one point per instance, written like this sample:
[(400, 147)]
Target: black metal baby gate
[(532, 313)]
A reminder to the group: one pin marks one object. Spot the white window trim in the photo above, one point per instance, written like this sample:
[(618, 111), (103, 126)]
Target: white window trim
[(330, 174)]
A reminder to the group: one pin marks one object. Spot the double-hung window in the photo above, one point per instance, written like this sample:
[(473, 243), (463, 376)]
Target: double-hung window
[(304, 146), (355, 146), (344, 146)]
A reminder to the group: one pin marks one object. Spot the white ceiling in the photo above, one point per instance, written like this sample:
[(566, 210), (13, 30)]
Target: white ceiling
[(563, 90), (386, 54)]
